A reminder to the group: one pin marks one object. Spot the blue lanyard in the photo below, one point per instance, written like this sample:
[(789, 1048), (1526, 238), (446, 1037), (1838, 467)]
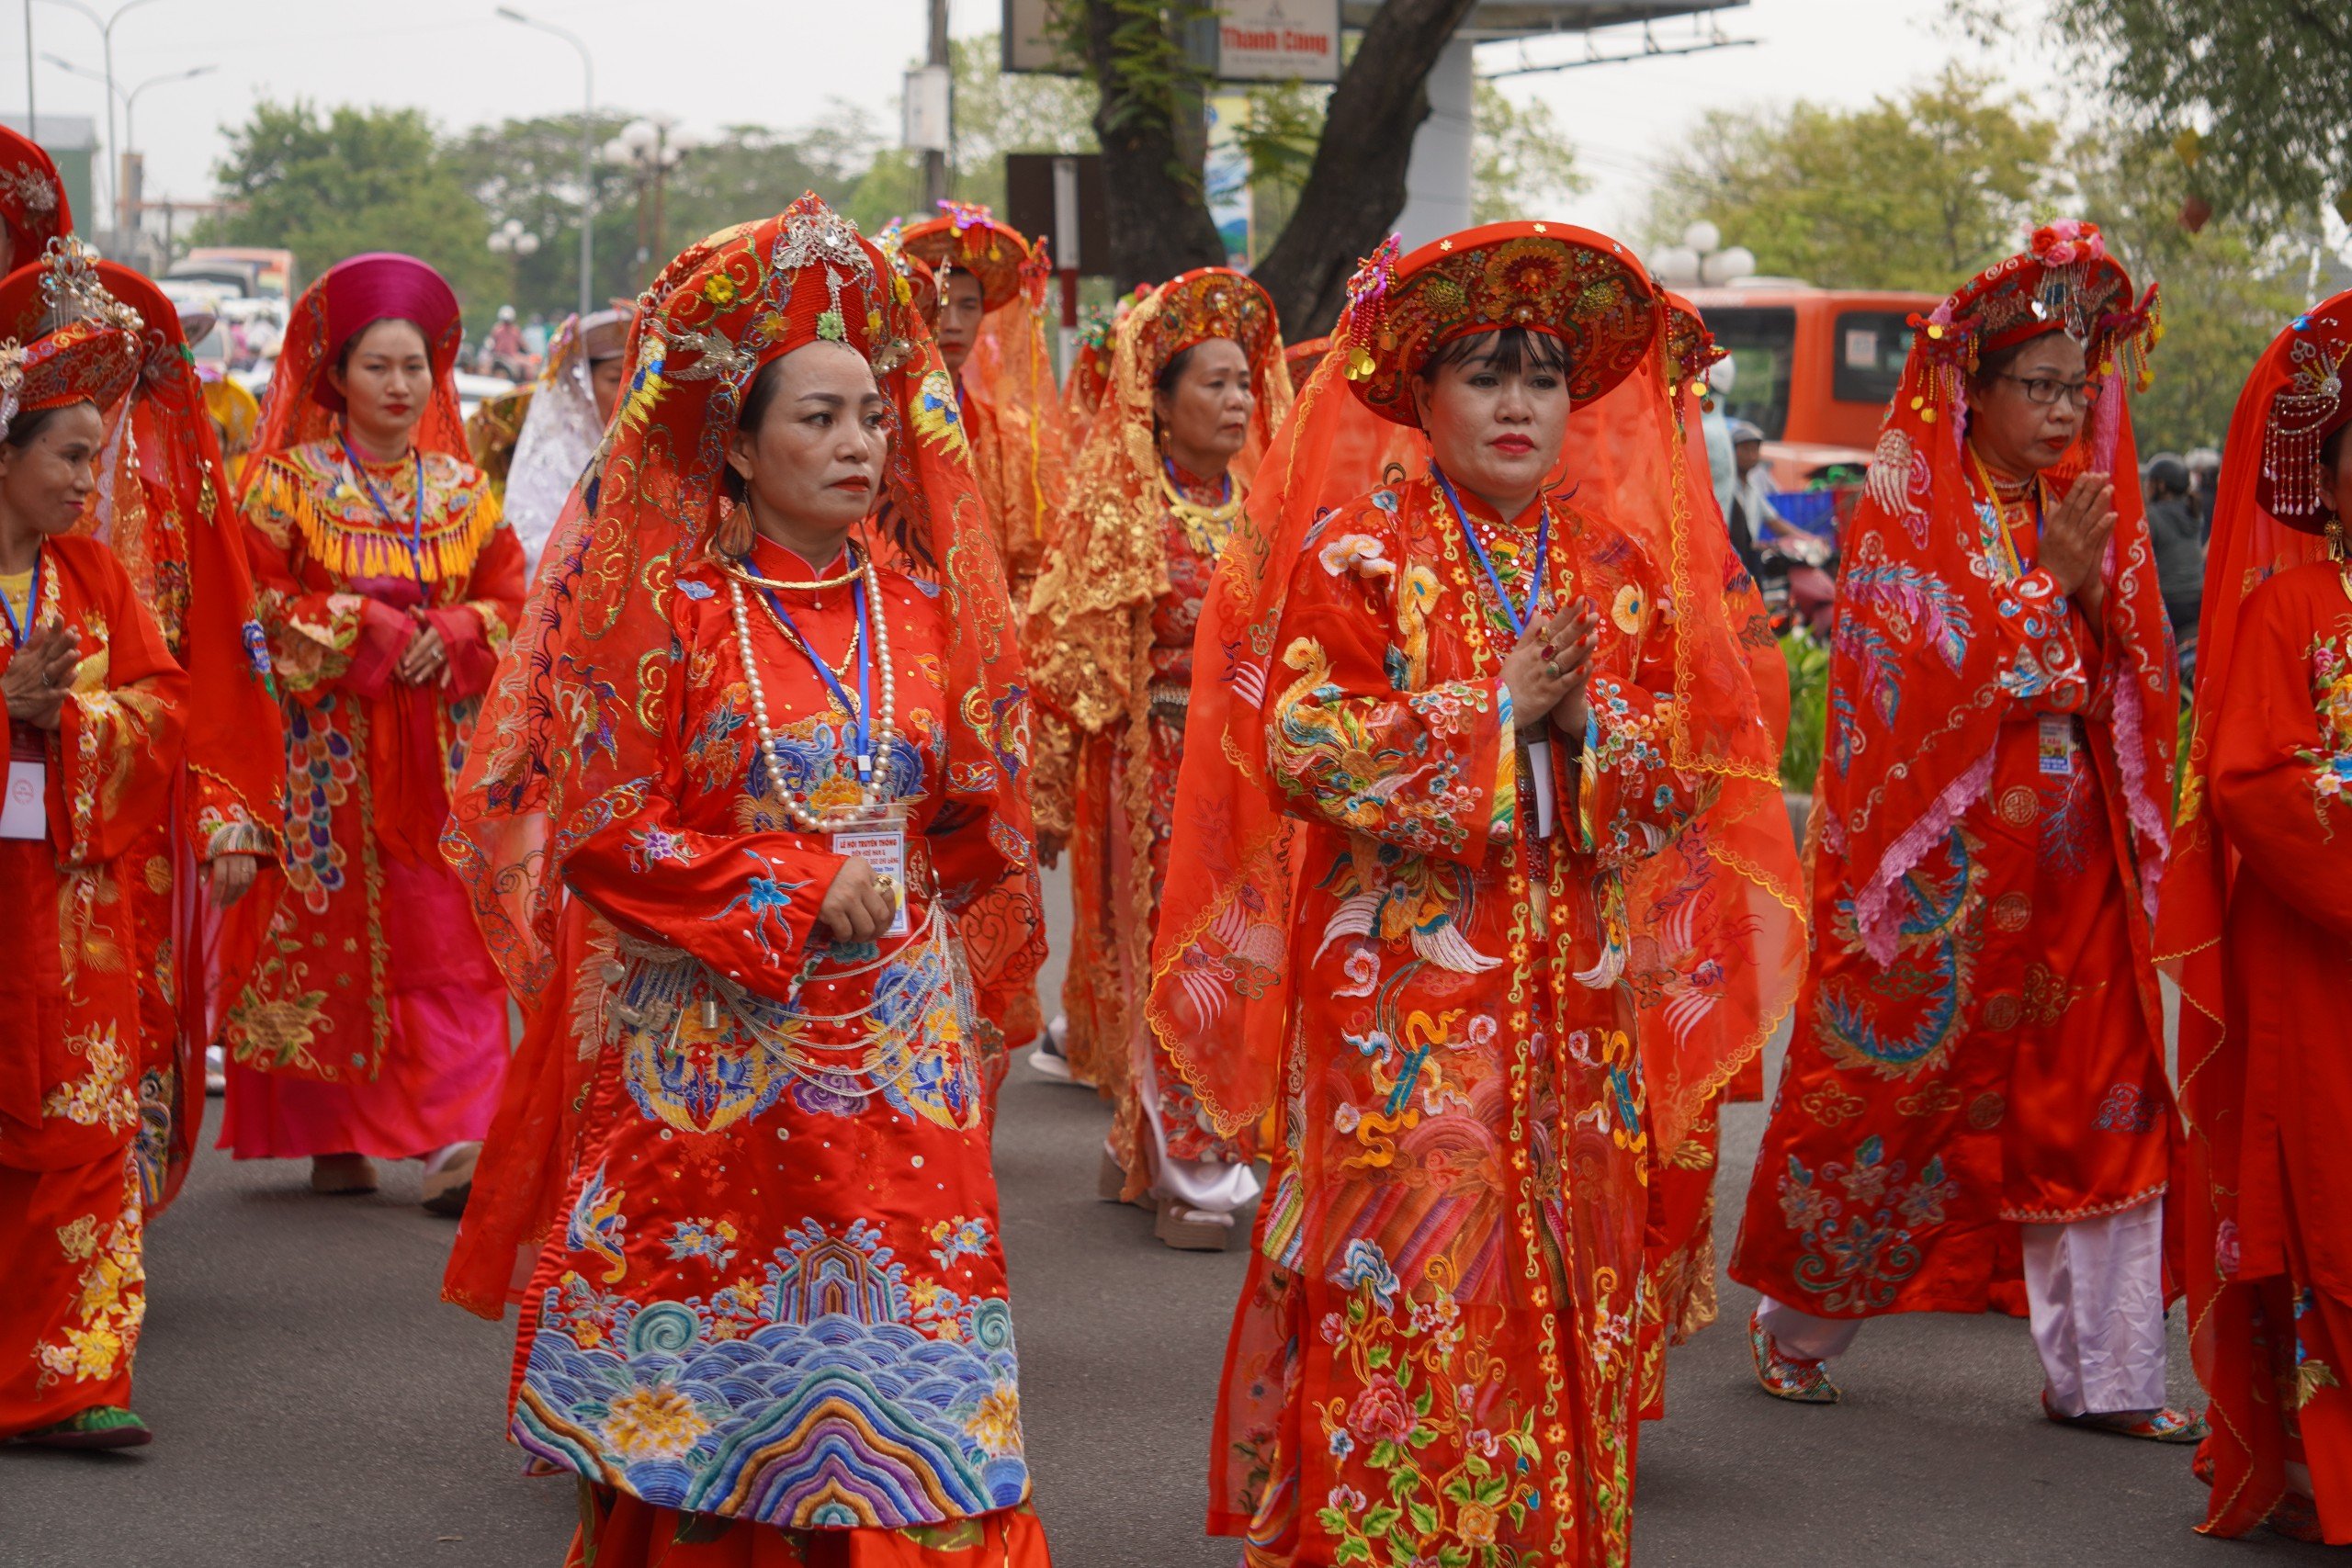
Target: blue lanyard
[(861, 716), (20, 630), (1518, 617), (415, 540)]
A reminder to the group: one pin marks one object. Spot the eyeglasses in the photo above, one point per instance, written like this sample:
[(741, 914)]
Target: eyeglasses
[(2047, 389)]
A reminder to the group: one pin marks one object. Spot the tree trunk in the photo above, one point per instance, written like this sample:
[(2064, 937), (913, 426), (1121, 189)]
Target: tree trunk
[(1155, 208), (1356, 186)]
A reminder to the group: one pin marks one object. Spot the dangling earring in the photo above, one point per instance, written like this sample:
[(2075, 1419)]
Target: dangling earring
[(732, 540), (2335, 538)]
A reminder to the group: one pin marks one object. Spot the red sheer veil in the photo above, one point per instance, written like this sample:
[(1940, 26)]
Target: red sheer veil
[(1902, 762), (2267, 518), (1221, 988)]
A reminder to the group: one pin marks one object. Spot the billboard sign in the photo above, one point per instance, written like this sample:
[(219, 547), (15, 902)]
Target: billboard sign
[(1255, 41), (1278, 40)]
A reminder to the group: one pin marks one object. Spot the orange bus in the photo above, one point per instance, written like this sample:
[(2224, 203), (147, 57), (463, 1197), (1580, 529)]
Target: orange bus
[(1816, 368)]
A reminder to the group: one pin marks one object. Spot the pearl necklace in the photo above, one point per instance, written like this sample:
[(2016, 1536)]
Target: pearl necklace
[(871, 796)]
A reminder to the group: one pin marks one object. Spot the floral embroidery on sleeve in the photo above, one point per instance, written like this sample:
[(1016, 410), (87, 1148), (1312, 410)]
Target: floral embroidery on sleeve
[(2330, 662)]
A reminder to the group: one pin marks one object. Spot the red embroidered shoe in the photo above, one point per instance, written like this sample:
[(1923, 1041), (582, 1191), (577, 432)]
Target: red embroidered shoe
[(2297, 1518), (1791, 1378), (2167, 1425)]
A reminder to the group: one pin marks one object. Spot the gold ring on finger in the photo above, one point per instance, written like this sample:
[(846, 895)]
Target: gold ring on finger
[(1555, 669)]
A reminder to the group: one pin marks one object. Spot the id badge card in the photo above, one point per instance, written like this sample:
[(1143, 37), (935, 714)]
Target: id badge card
[(2057, 746), (883, 847), (1539, 768), (24, 812)]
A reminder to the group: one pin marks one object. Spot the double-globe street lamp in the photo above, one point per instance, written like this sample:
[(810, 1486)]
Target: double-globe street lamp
[(648, 149)]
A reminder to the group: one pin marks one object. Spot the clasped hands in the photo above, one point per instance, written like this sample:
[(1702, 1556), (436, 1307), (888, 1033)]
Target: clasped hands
[(37, 679), (1547, 670), (2074, 541), (425, 660)]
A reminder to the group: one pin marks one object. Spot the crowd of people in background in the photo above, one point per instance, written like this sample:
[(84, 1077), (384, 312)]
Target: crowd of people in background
[(1406, 705)]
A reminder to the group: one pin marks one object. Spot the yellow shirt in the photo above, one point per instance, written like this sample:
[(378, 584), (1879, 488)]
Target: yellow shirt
[(17, 589)]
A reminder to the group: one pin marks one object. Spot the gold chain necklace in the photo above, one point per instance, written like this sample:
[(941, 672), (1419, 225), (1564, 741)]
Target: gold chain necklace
[(839, 667), (743, 575), (1206, 526)]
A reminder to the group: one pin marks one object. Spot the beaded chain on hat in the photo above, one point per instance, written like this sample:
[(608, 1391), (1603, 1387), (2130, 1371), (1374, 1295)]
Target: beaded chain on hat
[(2300, 418)]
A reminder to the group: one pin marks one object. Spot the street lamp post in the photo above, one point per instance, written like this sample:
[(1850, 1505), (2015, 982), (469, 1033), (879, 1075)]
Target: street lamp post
[(648, 149), (106, 40), (124, 217), (587, 149)]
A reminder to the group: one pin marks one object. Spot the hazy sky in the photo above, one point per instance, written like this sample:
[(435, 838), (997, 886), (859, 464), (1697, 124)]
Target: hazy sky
[(778, 62)]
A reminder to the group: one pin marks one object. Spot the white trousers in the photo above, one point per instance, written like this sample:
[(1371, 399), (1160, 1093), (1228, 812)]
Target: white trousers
[(1211, 1186), (2096, 1293)]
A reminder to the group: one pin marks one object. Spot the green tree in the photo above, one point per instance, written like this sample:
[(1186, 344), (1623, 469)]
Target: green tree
[(2263, 83), (1147, 118), (2225, 290), (528, 170), (1523, 162), (749, 171), (333, 184), (1910, 192)]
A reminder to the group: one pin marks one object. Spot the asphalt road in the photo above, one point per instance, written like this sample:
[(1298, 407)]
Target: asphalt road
[(317, 1407)]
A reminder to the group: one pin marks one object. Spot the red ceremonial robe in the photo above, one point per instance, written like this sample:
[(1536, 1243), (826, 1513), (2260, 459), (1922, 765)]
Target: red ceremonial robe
[(1990, 1051), (70, 1210), (1437, 1345), (2279, 775), (375, 1022), (776, 1290)]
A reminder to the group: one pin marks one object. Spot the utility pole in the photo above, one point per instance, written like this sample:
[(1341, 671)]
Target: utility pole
[(934, 163), (32, 126)]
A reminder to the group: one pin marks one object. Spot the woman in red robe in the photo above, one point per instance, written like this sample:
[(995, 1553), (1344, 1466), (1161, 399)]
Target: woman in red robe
[(1975, 1086), (991, 329), (95, 706), (167, 511), (375, 1024), (1197, 390), (991, 333), (2257, 925), (1439, 732), (736, 783)]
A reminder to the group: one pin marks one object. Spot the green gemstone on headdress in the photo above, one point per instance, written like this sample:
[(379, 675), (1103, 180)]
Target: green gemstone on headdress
[(831, 327)]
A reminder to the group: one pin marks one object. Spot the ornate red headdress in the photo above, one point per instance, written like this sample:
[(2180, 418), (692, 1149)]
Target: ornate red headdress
[(1584, 288), (965, 237), (32, 198), (1220, 998), (81, 362), (303, 405), (2302, 378), (1208, 302)]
